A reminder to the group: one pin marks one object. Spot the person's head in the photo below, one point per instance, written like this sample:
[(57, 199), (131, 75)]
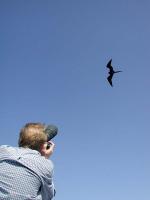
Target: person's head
[(32, 136)]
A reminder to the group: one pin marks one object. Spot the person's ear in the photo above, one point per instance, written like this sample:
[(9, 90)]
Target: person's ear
[(42, 149)]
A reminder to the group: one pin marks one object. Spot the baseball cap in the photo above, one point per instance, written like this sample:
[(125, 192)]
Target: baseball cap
[(51, 131)]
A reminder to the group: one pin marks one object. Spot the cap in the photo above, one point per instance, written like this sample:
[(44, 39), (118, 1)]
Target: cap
[(51, 131)]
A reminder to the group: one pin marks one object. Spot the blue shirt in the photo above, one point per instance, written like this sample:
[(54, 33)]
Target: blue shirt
[(25, 174)]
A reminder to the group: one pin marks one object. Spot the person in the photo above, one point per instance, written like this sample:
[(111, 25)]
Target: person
[(26, 173)]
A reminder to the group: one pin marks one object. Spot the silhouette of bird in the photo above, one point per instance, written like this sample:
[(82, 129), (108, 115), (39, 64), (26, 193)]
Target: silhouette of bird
[(111, 72)]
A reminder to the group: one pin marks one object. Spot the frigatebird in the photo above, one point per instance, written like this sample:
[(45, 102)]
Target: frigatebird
[(111, 72)]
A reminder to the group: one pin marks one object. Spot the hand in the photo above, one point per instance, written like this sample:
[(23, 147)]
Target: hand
[(47, 152)]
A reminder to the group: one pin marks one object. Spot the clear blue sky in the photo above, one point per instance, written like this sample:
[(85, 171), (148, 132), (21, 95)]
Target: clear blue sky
[(53, 57)]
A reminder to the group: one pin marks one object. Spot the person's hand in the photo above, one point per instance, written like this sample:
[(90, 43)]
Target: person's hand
[(47, 152)]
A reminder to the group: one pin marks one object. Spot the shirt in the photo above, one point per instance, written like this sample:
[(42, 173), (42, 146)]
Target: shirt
[(25, 174)]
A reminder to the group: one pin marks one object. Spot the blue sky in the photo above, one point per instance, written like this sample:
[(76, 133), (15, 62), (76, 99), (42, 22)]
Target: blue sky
[(53, 57)]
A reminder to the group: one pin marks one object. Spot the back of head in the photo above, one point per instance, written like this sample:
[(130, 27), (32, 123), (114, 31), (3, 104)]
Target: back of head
[(32, 136)]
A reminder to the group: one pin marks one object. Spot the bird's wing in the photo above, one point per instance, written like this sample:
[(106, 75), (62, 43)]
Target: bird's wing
[(109, 78), (109, 65)]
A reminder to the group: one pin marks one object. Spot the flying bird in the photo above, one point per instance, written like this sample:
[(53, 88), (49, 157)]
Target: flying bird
[(111, 72)]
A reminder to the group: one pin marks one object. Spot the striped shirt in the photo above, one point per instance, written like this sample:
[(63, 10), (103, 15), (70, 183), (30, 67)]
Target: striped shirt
[(25, 174)]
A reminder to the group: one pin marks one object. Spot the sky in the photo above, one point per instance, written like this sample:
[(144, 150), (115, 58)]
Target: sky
[(53, 57)]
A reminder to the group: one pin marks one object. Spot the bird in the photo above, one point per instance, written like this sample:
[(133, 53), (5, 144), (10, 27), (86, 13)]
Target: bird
[(111, 72)]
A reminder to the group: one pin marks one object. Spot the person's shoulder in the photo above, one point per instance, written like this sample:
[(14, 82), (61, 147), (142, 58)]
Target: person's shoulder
[(37, 160), (6, 151), (46, 162), (9, 150), (4, 147), (45, 166)]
